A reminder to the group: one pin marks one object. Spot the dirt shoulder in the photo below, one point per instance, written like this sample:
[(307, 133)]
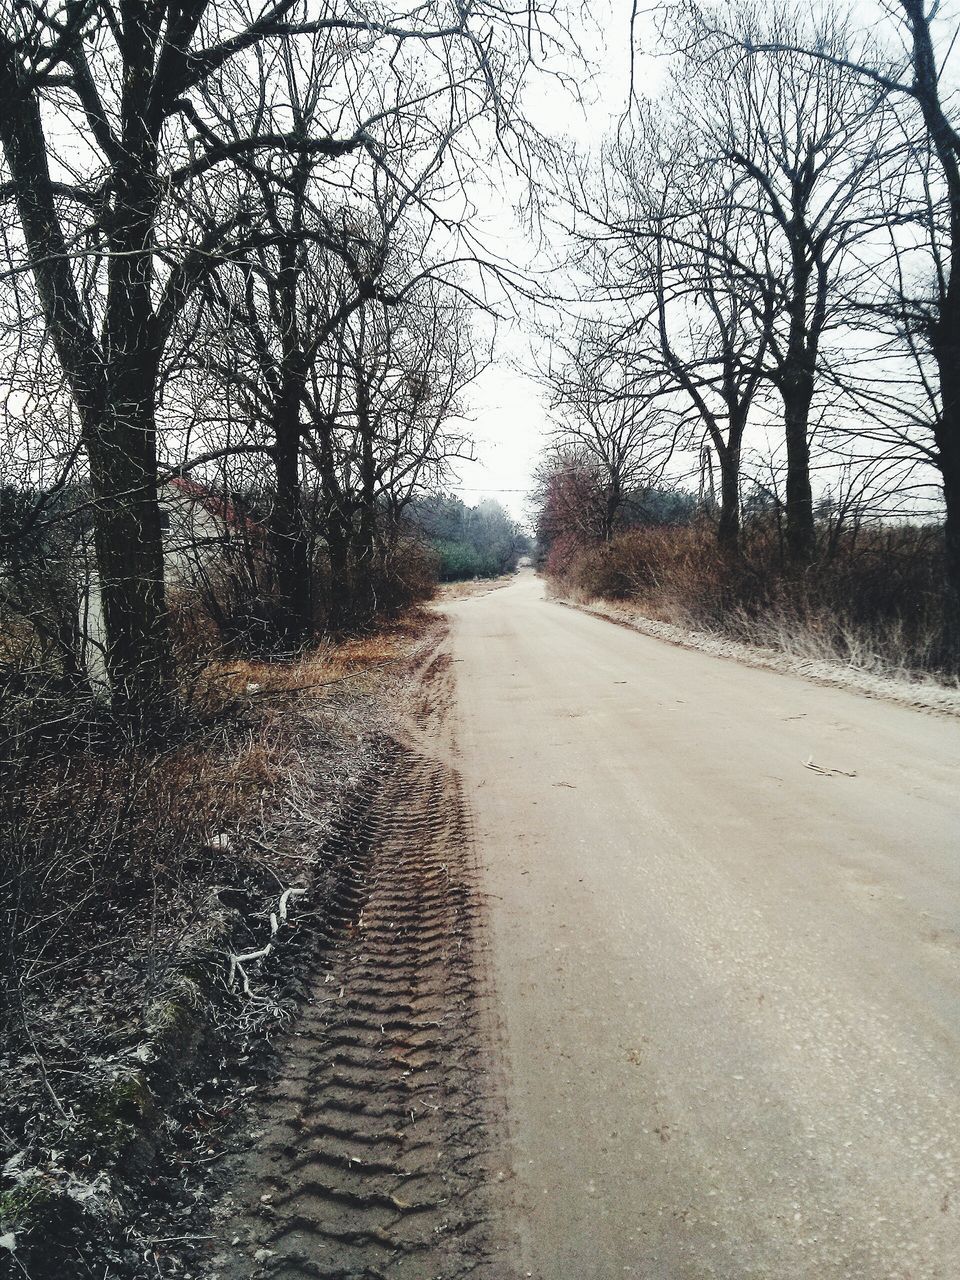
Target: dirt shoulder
[(449, 591), (370, 1151), (924, 695), (134, 1049)]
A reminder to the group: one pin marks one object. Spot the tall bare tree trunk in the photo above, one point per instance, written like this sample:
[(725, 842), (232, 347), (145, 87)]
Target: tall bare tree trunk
[(367, 525), (797, 395), (728, 529), (795, 382), (113, 382), (612, 505), (289, 535), (127, 531), (338, 550), (947, 435)]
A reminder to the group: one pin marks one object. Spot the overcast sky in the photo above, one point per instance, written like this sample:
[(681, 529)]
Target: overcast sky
[(506, 406)]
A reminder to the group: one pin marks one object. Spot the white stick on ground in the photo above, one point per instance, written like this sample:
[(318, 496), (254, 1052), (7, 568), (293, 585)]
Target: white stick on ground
[(278, 917)]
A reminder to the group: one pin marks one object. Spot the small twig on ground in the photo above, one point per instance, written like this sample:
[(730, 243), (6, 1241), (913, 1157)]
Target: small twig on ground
[(44, 1077), (827, 771), (322, 684)]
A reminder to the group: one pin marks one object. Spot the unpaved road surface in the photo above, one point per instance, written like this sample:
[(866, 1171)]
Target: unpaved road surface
[(728, 983)]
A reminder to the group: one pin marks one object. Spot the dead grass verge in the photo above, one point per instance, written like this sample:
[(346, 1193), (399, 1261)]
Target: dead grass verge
[(132, 883), (472, 587), (871, 602), (790, 656)]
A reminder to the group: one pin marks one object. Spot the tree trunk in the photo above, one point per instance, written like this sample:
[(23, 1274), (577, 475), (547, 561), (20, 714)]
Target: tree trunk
[(947, 436), (336, 526), (612, 506), (289, 534), (123, 463), (367, 525), (728, 530), (113, 384), (951, 595), (338, 551), (129, 550), (797, 394), (796, 385)]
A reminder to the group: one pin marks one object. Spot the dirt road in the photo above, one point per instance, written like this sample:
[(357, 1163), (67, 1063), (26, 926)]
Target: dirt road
[(728, 982)]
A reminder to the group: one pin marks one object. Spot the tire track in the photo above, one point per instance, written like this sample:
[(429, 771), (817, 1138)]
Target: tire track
[(375, 1153)]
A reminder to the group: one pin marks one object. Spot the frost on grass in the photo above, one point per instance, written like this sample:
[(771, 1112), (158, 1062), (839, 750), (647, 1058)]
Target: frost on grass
[(794, 653), (154, 904)]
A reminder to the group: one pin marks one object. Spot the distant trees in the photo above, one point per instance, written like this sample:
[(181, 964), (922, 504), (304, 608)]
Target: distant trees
[(344, 406), (603, 428), (471, 542), (570, 505)]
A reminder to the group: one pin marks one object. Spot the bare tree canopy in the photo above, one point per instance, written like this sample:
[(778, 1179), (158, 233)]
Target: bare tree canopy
[(147, 146)]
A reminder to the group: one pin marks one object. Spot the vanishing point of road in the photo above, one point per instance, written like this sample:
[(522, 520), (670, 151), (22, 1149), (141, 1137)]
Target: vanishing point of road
[(728, 985)]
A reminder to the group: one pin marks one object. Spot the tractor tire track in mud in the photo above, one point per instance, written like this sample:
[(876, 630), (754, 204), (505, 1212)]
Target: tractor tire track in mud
[(376, 1156)]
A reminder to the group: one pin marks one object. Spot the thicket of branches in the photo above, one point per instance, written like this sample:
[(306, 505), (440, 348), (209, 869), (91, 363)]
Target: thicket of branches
[(768, 258), (238, 248)]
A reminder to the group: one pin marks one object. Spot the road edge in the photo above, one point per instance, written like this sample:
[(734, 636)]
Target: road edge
[(929, 698)]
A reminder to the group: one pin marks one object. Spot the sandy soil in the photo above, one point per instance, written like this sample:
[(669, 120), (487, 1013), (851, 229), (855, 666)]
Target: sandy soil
[(724, 909), (448, 591)]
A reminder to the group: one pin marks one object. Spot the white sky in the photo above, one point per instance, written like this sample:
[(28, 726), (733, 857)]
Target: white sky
[(506, 407)]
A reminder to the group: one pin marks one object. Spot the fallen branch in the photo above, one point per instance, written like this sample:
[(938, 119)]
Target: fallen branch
[(278, 917), (826, 771)]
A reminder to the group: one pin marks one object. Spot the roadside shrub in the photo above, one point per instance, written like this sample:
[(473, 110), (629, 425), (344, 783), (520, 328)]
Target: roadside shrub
[(99, 839), (460, 560), (873, 598), (405, 575), (457, 560)]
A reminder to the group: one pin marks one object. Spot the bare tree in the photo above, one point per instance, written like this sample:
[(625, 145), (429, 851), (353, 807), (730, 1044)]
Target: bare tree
[(600, 417), (676, 255), (801, 141), (923, 301), (116, 230), (404, 365)]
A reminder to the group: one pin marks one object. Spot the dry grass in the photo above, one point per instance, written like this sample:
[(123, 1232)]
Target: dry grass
[(317, 669), (122, 865), (472, 587), (874, 604)]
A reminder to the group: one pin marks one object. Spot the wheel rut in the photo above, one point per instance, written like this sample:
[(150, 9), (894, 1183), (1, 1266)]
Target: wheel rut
[(377, 1145)]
